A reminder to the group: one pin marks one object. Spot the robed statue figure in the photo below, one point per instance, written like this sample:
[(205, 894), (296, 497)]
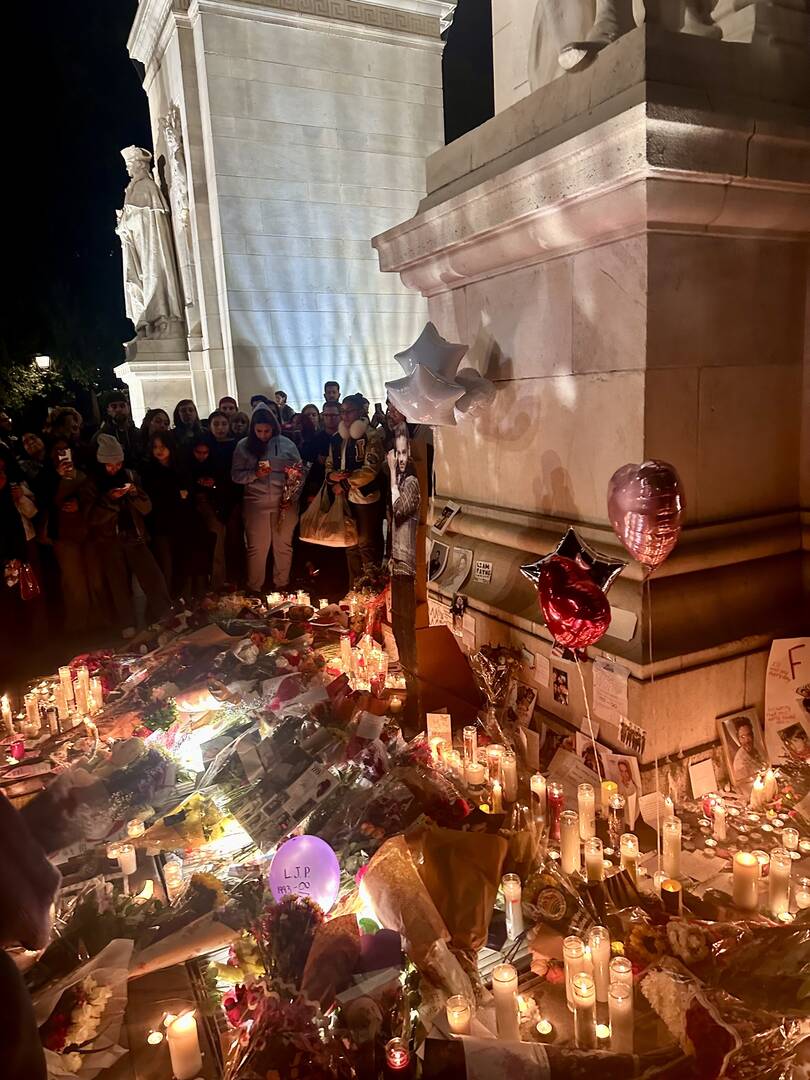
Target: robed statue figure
[(154, 301)]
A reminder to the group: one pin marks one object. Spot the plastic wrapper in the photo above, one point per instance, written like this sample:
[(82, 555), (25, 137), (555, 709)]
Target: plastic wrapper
[(780, 956), (332, 958), (203, 935), (723, 1036), (100, 1049)]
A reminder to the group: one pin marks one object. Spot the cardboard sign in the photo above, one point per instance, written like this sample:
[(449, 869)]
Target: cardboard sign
[(440, 726)]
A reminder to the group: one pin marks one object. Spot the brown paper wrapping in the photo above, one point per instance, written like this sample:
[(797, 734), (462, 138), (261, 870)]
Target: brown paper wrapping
[(462, 872), (332, 959)]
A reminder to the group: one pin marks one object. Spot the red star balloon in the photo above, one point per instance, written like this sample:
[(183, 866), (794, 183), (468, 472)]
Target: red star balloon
[(576, 611)]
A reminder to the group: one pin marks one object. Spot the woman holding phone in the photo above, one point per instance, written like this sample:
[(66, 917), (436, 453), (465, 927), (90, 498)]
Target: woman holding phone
[(259, 463), (118, 534)]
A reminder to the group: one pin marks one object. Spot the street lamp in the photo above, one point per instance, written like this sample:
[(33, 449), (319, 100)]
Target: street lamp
[(43, 362)]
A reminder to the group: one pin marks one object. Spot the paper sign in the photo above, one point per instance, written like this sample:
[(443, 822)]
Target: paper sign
[(702, 777), (570, 771), (609, 690), (439, 614), (440, 726), (369, 726), (542, 669), (530, 746), (468, 631), (482, 574), (653, 808), (787, 701)]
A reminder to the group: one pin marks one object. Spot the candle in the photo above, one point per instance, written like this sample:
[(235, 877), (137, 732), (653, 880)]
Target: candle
[(135, 828), (303, 599), (719, 825), (495, 762), (83, 678), (538, 789), (620, 1002), (571, 862), (397, 1055), (8, 720), (437, 749), (32, 711), (672, 847), (476, 777), (80, 694), (512, 898), (746, 880), (584, 995), (621, 971), (555, 802), (608, 788), (470, 735), (273, 599), (154, 1038), (771, 787), (594, 859), (599, 944), (573, 963), (395, 706), (629, 851), (671, 896), (802, 893), (127, 859), (184, 1046), (510, 776), (758, 799), (456, 765), (779, 882), (543, 1027), (496, 802), (66, 680), (790, 839), (173, 875), (459, 1014), (52, 716), (669, 808), (586, 803), (504, 989), (616, 819)]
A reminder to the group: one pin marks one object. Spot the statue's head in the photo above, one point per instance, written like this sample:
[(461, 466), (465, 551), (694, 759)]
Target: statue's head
[(137, 161)]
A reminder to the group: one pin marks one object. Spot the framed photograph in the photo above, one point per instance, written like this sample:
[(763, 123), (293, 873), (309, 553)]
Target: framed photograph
[(559, 685), (437, 560), (743, 748), (624, 771), (586, 752), (458, 569), (520, 706), (442, 523)]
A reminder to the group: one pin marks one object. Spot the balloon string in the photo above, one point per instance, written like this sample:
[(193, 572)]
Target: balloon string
[(648, 573), (588, 718)]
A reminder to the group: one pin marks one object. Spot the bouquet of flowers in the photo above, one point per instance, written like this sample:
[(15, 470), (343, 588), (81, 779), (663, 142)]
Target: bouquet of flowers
[(295, 475), (80, 1017)]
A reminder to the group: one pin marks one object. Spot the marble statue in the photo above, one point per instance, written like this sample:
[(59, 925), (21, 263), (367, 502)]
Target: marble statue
[(151, 288), (177, 179), (612, 18)]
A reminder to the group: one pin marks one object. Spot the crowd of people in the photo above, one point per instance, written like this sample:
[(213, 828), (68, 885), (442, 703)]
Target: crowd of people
[(102, 529)]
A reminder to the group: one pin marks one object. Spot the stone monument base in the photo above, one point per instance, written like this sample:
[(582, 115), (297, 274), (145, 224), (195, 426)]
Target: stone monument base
[(158, 374)]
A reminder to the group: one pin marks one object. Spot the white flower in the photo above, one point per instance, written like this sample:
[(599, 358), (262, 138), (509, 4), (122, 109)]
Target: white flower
[(71, 1062)]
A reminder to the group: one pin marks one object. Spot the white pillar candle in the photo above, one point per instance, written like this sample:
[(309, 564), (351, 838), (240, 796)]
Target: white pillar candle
[(771, 787), (779, 882), (574, 962), (672, 831), (127, 859), (476, 776), (496, 800), (719, 825), (504, 990), (629, 851), (470, 735), (758, 794), (32, 711), (513, 905), (621, 971), (790, 839), (453, 758), (83, 678), (594, 859), (571, 862), (510, 776), (96, 695), (459, 1014), (135, 828), (609, 788), (599, 944), (620, 999), (746, 880), (495, 762), (584, 995), (80, 696), (669, 809), (184, 1047), (538, 788), (8, 720), (586, 803), (67, 684)]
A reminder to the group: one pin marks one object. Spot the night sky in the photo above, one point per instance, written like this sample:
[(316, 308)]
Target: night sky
[(73, 99)]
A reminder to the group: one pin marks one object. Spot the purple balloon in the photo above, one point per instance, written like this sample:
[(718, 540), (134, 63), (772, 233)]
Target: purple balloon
[(646, 509), (306, 865)]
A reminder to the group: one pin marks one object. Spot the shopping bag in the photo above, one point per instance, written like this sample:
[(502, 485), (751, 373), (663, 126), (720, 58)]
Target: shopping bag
[(328, 522)]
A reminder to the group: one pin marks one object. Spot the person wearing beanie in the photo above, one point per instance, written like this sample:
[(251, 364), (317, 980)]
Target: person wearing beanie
[(120, 426), (356, 456), (118, 505), (259, 465)]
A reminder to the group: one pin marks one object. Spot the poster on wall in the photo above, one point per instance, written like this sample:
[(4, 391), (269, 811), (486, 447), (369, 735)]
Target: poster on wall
[(787, 701)]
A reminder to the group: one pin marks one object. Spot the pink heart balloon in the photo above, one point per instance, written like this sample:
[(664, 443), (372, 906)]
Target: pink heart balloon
[(646, 509)]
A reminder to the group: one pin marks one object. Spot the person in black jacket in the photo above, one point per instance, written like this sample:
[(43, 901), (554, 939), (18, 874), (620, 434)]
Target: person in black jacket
[(171, 519), (223, 444), (119, 537)]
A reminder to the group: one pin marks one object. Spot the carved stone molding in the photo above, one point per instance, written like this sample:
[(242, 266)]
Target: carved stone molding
[(374, 16)]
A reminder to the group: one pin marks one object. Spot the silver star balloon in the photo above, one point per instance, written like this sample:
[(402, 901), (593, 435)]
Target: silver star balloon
[(424, 398), (603, 570), (432, 352), (479, 396)]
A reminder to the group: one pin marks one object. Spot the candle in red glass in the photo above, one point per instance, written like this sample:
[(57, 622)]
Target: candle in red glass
[(17, 749), (397, 1055), (556, 805)]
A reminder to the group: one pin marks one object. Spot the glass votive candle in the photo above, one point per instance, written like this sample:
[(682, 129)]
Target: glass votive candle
[(555, 804), (397, 1055), (594, 859), (459, 1014), (135, 828), (629, 851), (621, 971), (790, 839), (127, 859), (801, 893)]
